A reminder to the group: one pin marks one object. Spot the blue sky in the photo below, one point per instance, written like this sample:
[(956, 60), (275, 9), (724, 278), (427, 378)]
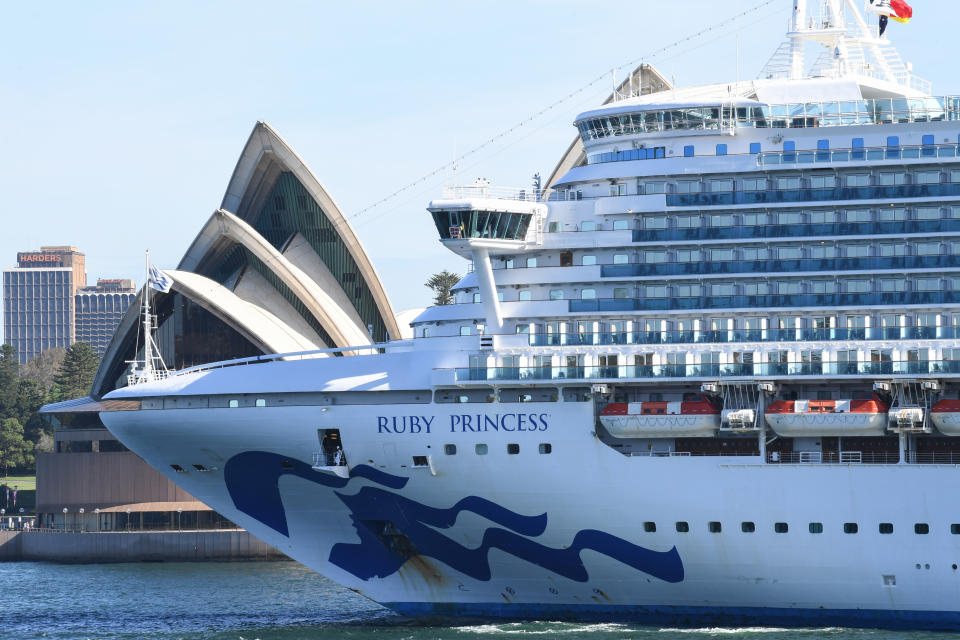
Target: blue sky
[(123, 121)]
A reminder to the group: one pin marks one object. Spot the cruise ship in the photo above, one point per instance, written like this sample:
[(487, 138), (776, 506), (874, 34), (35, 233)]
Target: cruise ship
[(707, 373)]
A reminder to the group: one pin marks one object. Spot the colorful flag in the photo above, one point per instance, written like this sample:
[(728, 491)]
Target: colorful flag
[(159, 280), (895, 9)]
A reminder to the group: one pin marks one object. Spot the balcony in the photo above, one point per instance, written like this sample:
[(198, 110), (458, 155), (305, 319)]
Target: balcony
[(713, 371), (800, 300), (778, 196), (760, 232), (876, 263), (639, 337)]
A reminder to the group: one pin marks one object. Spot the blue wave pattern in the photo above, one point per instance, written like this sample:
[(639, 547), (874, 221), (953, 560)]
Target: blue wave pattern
[(393, 528)]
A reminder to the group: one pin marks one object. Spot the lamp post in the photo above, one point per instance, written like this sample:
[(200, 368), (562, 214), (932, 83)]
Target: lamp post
[(3, 512), (82, 524), (179, 518), (97, 511), (64, 519), (128, 520)]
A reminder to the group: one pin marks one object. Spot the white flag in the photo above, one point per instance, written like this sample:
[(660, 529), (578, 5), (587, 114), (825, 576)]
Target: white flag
[(159, 280)]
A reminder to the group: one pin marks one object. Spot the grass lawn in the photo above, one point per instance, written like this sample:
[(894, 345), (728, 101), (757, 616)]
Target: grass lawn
[(21, 482)]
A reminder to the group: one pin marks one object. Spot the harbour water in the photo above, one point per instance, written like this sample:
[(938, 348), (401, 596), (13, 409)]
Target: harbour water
[(276, 601)]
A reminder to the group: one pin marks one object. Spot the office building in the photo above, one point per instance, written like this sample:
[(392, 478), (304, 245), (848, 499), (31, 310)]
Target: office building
[(99, 309), (38, 299)]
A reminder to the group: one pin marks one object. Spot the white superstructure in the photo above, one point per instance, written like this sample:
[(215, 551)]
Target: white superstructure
[(710, 374)]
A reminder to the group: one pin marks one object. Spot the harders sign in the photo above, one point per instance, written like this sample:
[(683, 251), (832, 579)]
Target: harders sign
[(38, 258)]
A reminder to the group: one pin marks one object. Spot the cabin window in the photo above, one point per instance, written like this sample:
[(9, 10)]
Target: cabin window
[(955, 529), (748, 527), (545, 448), (450, 449), (620, 258), (465, 330), (650, 527), (921, 528), (588, 261), (566, 259), (780, 527), (620, 225), (179, 469), (481, 449), (200, 467), (858, 180), (531, 262), (886, 527), (683, 527), (513, 449), (714, 527), (850, 527), (260, 402), (588, 226), (556, 294), (815, 527), (524, 295), (233, 404)]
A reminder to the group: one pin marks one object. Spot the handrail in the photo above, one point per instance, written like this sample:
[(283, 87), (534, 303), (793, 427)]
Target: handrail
[(285, 356)]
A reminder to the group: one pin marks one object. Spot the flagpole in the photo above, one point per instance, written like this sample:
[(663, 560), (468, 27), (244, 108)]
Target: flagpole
[(148, 339)]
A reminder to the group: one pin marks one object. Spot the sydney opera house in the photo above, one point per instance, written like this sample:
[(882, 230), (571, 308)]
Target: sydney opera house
[(275, 269)]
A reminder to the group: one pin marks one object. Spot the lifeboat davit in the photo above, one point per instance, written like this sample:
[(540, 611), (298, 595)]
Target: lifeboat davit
[(865, 415), (697, 417), (946, 417)]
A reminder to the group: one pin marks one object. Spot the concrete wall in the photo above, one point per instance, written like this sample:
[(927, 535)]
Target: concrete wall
[(188, 546)]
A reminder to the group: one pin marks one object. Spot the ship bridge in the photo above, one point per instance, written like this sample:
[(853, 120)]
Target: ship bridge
[(478, 220)]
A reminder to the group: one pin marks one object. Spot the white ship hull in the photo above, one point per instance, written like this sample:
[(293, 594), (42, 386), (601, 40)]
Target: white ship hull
[(564, 533)]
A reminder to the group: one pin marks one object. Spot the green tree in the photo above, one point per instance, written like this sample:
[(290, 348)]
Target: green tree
[(440, 284), (14, 450), (75, 375), (43, 367), (9, 379), (30, 397)]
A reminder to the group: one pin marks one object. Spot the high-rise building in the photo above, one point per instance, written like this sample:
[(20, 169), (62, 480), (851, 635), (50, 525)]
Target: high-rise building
[(38, 299), (99, 309)]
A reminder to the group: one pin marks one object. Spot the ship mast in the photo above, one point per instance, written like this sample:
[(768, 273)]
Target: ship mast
[(153, 366)]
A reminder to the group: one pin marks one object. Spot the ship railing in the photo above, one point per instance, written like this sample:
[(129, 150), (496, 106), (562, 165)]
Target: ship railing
[(774, 116), (711, 371), (360, 350), (329, 459), (722, 336), (494, 193), (863, 457)]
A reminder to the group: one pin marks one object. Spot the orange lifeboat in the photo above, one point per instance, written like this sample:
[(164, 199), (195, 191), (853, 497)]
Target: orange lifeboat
[(865, 415), (946, 417), (697, 417)]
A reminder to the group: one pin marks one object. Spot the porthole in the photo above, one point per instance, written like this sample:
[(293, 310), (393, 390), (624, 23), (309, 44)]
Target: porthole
[(546, 447), (650, 527), (714, 527), (233, 404), (748, 527), (815, 527), (261, 402), (886, 527), (450, 449), (481, 449), (850, 527), (513, 449), (683, 527), (780, 527), (921, 528)]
